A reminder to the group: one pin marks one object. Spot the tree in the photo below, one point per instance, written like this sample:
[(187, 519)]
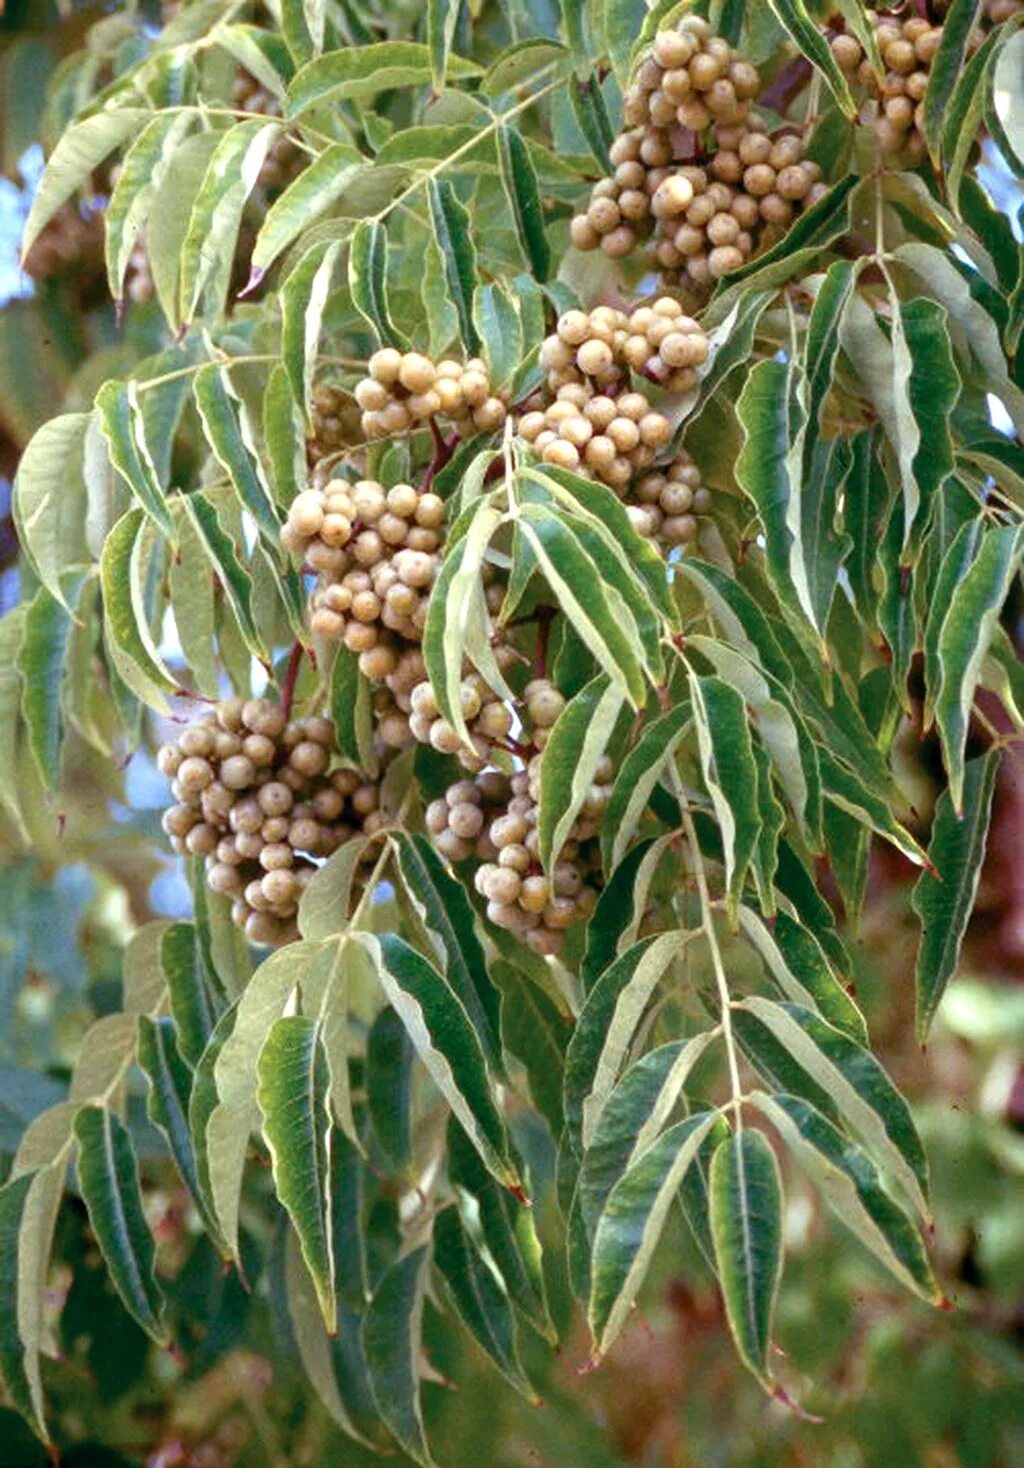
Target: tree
[(557, 470)]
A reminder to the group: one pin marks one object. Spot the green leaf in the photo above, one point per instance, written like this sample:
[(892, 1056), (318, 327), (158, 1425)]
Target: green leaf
[(637, 1110), (451, 224), (170, 1085), (12, 633), (124, 575), (292, 1095), (391, 1344), (442, 18), (944, 899), (502, 1229), (108, 1177), (49, 501), (536, 1032), (519, 179), (730, 773), (235, 1114), (188, 987), (124, 429), (13, 1197), (325, 904), (308, 196), (457, 623), (208, 248), (639, 775), (303, 299), (446, 1042), (479, 1300), (202, 1103), (852, 1079), (850, 1184), (143, 172), (232, 575), (963, 117), (229, 434), (522, 61), (591, 117), (78, 153), (606, 1026), (367, 280), (746, 1225), (361, 71), (352, 710), (191, 595), (500, 330), (575, 747), (41, 657), (390, 1057), (812, 43), (782, 729), (947, 65), (631, 1224), (578, 587), (963, 641), (447, 913), (802, 971)]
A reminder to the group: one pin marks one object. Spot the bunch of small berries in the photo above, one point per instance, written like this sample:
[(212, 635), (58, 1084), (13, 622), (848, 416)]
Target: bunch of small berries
[(656, 340), (664, 504), (336, 422), (256, 799), (405, 390), (894, 108), (377, 551)]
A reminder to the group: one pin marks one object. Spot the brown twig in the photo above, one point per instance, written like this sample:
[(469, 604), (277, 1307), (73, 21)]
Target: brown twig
[(290, 679)]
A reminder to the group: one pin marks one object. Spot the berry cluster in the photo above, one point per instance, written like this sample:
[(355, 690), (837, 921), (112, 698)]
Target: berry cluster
[(664, 504), (407, 390), (658, 341), (709, 208), (255, 798), (336, 422), (893, 108), (494, 819), (377, 552)]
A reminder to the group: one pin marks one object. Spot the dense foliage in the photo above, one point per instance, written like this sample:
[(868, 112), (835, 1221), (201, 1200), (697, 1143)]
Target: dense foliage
[(551, 461)]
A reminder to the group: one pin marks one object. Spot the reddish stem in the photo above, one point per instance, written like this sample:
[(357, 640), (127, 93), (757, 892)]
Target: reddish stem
[(290, 679), (545, 616), (787, 83), (443, 450)]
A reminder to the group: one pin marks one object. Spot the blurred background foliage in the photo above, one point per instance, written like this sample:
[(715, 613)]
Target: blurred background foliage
[(893, 1383)]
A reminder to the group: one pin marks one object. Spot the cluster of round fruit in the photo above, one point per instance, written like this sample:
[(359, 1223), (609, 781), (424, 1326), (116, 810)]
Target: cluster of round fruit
[(665, 503), (335, 420), (405, 390), (600, 436), (494, 818), (284, 160), (714, 218), (907, 46), (657, 340), (255, 799), (377, 551), (688, 80)]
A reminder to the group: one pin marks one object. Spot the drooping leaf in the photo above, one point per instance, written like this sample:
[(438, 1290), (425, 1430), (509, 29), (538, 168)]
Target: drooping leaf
[(730, 773), (447, 913), (828, 1063), (850, 1184), (108, 1176), (947, 65), (170, 1084), (49, 500), (292, 1096), (451, 224), (81, 150), (367, 280), (229, 434), (390, 1056), (479, 1300), (944, 900), (963, 641), (575, 746), (519, 178), (124, 430), (638, 776), (391, 1341), (41, 656), (631, 1223), (445, 1041), (746, 1225)]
